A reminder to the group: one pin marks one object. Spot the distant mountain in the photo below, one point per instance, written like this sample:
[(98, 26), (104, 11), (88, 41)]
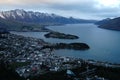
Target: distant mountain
[(20, 26), (104, 21), (21, 15), (112, 24), (21, 20)]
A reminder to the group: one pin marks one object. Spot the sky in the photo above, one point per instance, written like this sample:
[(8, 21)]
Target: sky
[(85, 9)]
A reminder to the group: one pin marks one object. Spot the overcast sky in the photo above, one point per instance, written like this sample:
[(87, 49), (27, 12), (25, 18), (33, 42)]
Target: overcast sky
[(85, 9)]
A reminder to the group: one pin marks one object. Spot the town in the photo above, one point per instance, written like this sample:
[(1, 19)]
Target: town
[(26, 56)]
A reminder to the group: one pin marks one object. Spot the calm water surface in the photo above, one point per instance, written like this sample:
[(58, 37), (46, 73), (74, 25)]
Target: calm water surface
[(104, 44)]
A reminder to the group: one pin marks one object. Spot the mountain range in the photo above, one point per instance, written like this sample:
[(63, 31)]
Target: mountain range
[(15, 19), (111, 24)]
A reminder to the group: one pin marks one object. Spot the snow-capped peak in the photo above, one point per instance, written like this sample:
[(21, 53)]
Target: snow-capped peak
[(24, 14), (1, 15), (21, 15)]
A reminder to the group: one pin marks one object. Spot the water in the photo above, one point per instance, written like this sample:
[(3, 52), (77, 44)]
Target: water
[(104, 44)]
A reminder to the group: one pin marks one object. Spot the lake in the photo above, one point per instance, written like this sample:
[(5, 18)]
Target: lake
[(104, 44)]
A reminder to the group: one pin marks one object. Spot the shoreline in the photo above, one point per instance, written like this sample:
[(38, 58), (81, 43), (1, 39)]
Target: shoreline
[(68, 56), (89, 60), (20, 50)]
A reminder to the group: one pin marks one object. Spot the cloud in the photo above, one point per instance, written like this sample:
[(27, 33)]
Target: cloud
[(95, 9), (39, 2), (108, 3)]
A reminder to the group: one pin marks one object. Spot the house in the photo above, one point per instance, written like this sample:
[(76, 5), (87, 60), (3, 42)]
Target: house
[(70, 73)]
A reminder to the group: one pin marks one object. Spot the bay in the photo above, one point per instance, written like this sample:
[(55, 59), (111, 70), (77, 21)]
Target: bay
[(104, 44)]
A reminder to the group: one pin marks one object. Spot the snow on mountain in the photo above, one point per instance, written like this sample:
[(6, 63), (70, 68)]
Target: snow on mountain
[(21, 15), (2, 16)]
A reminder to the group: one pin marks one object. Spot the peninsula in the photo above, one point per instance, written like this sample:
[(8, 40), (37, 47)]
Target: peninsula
[(74, 46), (59, 35)]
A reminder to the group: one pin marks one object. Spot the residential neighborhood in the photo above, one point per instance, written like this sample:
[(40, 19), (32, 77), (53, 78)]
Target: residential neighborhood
[(27, 56)]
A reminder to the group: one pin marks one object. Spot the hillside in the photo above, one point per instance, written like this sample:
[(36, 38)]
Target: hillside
[(21, 15), (112, 24), (20, 26), (21, 20)]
